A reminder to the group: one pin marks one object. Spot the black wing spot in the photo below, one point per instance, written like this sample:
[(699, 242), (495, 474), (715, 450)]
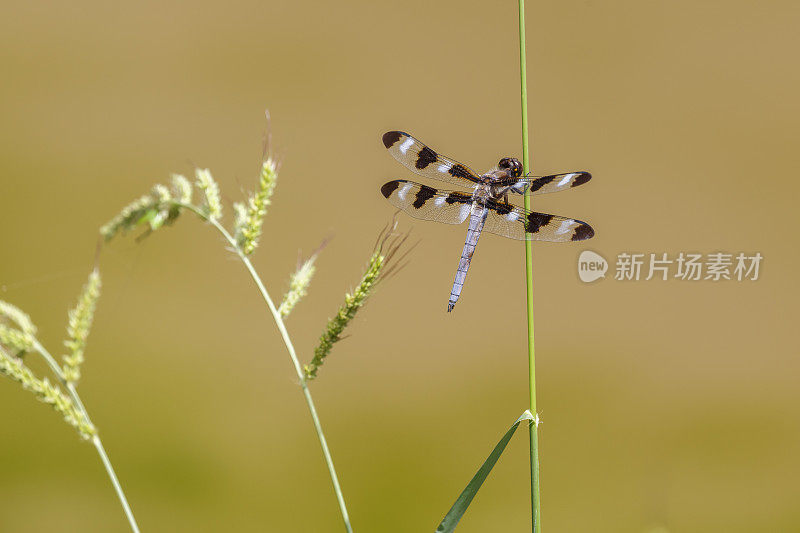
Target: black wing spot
[(424, 194), (389, 187), (425, 157), (391, 137), (541, 182), (583, 178), (460, 171), (537, 221), (583, 232), (501, 208), (458, 197)]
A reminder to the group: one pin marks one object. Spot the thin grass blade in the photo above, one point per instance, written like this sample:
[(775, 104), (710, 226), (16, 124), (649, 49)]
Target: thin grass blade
[(458, 509)]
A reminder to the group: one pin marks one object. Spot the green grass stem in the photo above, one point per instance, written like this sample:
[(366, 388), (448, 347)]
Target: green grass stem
[(526, 164), (292, 354), (98, 444)]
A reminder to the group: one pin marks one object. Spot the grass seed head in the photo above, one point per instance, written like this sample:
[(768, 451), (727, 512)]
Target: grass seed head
[(13, 368), (248, 230), (382, 263), (80, 322), (205, 182)]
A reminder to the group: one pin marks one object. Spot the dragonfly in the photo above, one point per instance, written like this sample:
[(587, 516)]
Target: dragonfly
[(486, 207)]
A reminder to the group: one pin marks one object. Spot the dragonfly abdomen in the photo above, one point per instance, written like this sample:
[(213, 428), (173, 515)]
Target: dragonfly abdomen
[(477, 219)]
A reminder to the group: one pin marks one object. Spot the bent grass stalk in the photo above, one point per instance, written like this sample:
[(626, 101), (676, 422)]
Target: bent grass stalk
[(23, 340), (534, 425), (287, 341), (163, 206), (98, 444)]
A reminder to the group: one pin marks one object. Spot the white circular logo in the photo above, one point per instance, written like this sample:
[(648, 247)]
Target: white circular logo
[(591, 266)]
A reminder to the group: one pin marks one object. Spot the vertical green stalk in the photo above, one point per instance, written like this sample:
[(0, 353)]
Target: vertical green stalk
[(534, 426)]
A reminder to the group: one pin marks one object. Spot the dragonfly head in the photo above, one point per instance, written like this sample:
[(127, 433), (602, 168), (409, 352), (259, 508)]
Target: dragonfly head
[(512, 166)]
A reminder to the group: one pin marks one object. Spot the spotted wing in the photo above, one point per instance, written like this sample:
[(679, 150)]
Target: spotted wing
[(547, 184), (427, 203), (425, 162), (517, 223)]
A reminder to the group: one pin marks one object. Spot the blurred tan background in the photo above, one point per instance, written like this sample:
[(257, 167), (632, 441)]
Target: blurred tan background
[(667, 406)]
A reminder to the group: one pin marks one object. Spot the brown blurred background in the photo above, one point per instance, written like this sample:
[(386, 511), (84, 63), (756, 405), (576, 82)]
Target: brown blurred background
[(667, 405)]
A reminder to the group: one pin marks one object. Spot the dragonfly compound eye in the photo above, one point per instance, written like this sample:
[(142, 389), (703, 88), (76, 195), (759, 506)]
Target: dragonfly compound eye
[(511, 164)]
